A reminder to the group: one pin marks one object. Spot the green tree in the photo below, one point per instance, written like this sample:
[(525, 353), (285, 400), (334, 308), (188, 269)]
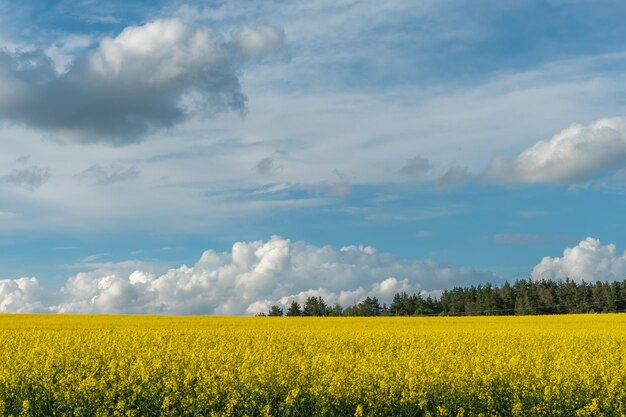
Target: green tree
[(524, 300), (369, 307), (507, 298), (398, 305), (453, 302), (315, 306), (275, 311), (616, 293), (546, 296), (335, 311), (294, 309)]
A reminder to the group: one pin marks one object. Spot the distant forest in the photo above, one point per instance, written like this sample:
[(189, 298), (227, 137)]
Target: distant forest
[(524, 297)]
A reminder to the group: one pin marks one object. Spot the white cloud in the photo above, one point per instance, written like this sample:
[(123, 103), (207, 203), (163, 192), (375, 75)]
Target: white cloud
[(311, 107), (589, 261), (220, 155), (577, 153), (245, 280), (23, 295), (156, 53), (147, 77), (259, 41)]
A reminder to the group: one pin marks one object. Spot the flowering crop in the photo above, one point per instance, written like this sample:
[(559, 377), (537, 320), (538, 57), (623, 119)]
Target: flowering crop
[(261, 366)]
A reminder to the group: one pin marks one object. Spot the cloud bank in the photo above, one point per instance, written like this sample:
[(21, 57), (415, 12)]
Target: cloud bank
[(147, 77), (246, 280), (589, 261), (577, 153)]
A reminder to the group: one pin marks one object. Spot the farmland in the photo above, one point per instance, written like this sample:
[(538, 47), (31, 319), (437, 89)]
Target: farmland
[(265, 366)]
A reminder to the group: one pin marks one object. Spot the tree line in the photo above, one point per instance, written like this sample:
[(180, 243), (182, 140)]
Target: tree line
[(524, 297)]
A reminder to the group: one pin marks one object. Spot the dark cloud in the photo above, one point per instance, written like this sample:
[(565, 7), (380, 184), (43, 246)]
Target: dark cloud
[(31, 177), (454, 176), (339, 174), (23, 159), (415, 166), (266, 166), (148, 77), (270, 165)]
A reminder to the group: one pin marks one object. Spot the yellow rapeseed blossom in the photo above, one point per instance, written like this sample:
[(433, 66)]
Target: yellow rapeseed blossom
[(264, 366)]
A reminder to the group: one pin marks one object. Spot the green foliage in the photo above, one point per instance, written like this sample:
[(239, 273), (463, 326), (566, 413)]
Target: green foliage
[(294, 309), (275, 311), (368, 307), (524, 297), (315, 306)]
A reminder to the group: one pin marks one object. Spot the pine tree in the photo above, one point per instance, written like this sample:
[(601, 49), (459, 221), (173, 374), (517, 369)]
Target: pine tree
[(294, 309), (275, 311)]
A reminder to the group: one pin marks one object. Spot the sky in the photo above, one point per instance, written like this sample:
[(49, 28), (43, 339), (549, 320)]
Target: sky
[(218, 157)]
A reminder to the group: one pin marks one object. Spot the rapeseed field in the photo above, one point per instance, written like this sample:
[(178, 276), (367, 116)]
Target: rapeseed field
[(55, 365)]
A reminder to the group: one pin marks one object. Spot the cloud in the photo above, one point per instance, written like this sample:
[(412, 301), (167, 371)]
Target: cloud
[(620, 176), (415, 166), (23, 159), (270, 165), (339, 190), (107, 174), (62, 52), (24, 295), (147, 77), (576, 154), (454, 176), (248, 278), (266, 166), (589, 261), (259, 41), (275, 188), (332, 189), (31, 177)]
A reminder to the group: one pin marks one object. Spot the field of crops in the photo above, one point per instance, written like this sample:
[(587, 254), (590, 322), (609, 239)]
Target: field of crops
[(571, 365)]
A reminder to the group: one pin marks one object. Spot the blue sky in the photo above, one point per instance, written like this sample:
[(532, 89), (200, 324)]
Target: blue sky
[(465, 141)]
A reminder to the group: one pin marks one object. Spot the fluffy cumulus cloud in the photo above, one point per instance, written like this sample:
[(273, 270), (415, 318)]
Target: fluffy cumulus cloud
[(147, 77), (246, 280), (589, 260), (24, 295), (577, 153)]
